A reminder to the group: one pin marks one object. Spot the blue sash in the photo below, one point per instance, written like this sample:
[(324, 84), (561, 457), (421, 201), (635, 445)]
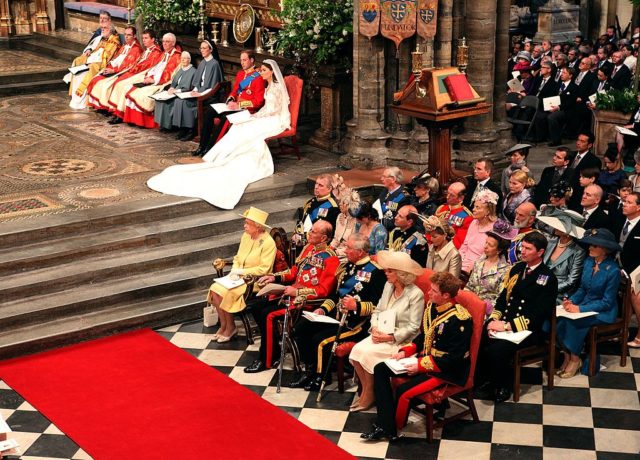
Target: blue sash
[(244, 84)]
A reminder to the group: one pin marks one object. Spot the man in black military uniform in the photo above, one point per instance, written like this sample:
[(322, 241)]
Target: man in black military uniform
[(441, 353), (360, 285), (527, 300), (393, 198), (406, 237), (323, 206)]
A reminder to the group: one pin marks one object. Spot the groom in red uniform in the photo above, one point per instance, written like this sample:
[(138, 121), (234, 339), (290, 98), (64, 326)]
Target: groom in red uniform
[(247, 93)]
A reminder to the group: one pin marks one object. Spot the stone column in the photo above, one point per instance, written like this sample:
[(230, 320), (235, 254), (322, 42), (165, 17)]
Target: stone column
[(366, 138), (444, 34), (6, 21), (457, 19), (480, 133), (42, 18)]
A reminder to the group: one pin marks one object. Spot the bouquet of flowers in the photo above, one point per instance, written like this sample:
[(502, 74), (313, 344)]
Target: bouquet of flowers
[(158, 13)]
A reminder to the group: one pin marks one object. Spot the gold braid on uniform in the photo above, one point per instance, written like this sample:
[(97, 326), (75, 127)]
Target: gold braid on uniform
[(458, 311), (509, 282), (366, 308)]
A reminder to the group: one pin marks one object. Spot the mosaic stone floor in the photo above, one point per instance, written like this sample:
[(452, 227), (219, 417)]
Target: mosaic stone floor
[(15, 62), (56, 160), (594, 418)]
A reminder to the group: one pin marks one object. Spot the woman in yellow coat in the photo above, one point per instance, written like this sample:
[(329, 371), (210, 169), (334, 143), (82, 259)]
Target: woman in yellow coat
[(255, 256)]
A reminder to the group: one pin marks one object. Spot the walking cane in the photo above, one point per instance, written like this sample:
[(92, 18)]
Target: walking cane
[(343, 320), (283, 344)]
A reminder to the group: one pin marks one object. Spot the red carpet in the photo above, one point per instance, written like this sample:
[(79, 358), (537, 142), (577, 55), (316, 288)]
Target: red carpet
[(137, 396)]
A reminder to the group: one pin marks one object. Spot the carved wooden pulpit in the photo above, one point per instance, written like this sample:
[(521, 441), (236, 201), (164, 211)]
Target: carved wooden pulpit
[(428, 100)]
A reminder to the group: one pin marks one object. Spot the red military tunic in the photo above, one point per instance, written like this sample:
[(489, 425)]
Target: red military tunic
[(314, 276), (459, 218), (250, 97)]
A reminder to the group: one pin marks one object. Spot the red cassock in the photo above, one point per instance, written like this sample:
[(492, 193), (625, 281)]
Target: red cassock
[(140, 115), (132, 55), (148, 59)]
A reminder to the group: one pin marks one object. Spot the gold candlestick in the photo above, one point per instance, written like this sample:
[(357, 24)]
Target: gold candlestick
[(258, 39), (416, 69), (215, 32), (462, 55), (225, 33)]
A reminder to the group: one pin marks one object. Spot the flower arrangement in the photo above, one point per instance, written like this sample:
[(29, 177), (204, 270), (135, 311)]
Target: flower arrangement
[(620, 100), (157, 14), (317, 31)]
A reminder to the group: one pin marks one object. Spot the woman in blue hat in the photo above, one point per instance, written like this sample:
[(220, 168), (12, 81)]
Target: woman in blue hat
[(597, 293)]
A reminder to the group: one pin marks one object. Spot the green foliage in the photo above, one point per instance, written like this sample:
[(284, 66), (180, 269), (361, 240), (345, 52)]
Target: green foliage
[(318, 31), (158, 14), (619, 100)]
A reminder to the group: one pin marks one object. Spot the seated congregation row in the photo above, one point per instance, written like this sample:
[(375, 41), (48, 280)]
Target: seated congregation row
[(349, 263), (575, 72), (121, 80)]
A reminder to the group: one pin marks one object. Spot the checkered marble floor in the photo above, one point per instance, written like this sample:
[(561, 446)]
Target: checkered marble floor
[(582, 418)]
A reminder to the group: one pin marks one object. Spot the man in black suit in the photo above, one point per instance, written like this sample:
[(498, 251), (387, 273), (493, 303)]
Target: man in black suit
[(543, 86), (559, 115), (583, 159), (592, 209), (551, 175), (620, 74), (629, 238), (481, 180), (525, 303), (584, 79)]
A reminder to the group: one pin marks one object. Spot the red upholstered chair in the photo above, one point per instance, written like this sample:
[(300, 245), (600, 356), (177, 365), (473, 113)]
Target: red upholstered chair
[(294, 88), (462, 394)]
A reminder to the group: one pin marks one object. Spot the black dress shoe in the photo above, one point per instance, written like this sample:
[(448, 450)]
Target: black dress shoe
[(485, 391), (502, 394), (301, 381), (198, 152), (377, 433), (256, 366), (188, 136), (314, 384)]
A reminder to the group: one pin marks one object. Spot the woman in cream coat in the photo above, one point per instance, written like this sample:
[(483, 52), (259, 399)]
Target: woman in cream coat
[(407, 300), (255, 256)]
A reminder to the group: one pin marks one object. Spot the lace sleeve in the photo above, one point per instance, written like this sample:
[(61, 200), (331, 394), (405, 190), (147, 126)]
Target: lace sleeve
[(273, 102)]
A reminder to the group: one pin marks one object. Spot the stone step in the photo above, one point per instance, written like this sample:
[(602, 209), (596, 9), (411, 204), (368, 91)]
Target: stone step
[(98, 295), (18, 233), (34, 77), (102, 243), (171, 309), (74, 41), (33, 87), (66, 52)]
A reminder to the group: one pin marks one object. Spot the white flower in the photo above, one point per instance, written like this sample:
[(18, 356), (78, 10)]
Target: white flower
[(309, 32), (345, 32), (316, 28), (313, 46)]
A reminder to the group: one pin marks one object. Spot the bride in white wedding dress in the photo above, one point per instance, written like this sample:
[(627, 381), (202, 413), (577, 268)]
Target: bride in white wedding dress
[(239, 158)]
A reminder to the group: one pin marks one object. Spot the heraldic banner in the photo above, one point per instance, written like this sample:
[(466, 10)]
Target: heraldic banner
[(427, 16), (369, 24), (398, 20)]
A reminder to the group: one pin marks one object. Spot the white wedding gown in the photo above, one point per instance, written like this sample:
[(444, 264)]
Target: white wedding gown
[(238, 159)]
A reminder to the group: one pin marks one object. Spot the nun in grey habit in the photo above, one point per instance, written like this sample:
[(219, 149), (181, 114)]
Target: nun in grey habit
[(182, 82), (209, 74)]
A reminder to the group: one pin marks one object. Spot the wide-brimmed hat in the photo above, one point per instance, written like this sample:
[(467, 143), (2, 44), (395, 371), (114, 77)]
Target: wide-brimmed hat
[(503, 230), (600, 237), (398, 260), (565, 221), (524, 55), (524, 148), (256, 215)]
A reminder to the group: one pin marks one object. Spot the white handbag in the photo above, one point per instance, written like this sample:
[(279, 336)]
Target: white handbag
[(210, 316)]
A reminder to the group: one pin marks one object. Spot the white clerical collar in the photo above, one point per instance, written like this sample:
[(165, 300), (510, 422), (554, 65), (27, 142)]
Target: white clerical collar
[(208, 58)]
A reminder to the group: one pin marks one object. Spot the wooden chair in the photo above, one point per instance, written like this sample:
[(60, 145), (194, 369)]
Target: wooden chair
[(606, 332), (294, 86), (462, 394), (535, 354), (221, 89), (244, 316)]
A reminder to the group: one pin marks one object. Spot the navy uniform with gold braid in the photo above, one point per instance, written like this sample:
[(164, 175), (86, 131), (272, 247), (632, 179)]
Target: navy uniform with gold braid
[(363, 280), (442, 349), (322, 208), (410, 241), (525, 303), (314, 276), (390, 203)]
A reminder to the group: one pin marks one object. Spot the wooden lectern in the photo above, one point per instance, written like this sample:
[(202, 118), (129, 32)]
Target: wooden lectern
[(428, 100)]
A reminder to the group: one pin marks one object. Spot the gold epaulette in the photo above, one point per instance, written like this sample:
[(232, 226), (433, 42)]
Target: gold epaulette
[(462, 313)]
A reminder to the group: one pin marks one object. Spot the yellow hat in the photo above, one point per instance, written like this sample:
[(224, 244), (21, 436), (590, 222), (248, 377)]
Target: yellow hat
[(257, 216)]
